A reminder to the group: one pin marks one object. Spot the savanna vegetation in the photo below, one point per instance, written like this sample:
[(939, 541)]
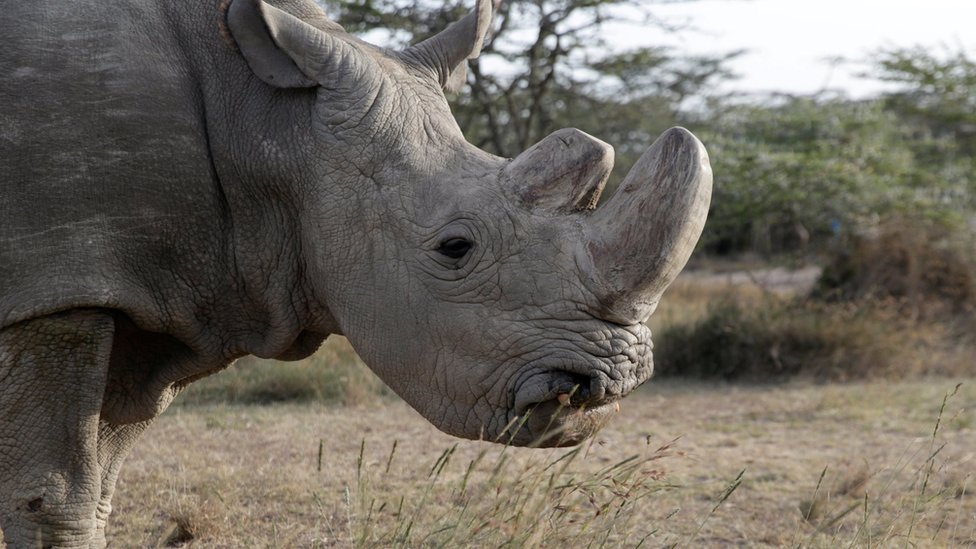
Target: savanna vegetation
[(808, 366)]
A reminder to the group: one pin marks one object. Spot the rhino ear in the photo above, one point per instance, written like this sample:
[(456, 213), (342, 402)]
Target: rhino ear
[(254, 25), (285, 51), (445, 54), (564, 172)]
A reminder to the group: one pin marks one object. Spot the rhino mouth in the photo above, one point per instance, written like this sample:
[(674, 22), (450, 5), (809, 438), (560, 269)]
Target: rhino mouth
[(559, 408), (570, 387)]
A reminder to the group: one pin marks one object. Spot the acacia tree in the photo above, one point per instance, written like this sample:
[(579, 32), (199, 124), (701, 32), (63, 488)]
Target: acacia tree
[(800, 171), (549, 64), (937, 92), (936, 99), (816, 166)]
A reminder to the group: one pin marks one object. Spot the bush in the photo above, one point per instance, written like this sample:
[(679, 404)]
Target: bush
[(927, 266), (898, 300), (781, 339)]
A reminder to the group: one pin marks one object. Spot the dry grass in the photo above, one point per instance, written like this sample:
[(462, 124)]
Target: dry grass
[(695, 293), (686, 464)]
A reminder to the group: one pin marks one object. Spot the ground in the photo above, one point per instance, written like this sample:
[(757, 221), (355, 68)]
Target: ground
[(879, 463)]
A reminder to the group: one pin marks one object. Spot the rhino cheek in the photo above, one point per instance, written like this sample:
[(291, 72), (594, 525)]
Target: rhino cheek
[(442, 366), (475, 372)]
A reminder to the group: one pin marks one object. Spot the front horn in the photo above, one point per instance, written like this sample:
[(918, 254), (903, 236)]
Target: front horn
[(645, 233)]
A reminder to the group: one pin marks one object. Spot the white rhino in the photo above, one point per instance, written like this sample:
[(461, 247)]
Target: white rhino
[(186, 182)]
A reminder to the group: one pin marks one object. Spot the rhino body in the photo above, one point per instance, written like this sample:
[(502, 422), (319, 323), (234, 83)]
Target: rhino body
[(184, 183)]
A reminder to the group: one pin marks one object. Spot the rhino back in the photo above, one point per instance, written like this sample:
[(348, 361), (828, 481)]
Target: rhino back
[(107, 193)]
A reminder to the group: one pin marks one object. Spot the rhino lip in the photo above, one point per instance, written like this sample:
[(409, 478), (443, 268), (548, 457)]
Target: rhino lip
[(560, 403), (550, 388), (558, 408), (566, 389), (551, 424)]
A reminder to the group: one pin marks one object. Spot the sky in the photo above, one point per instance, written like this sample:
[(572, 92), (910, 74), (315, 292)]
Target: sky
[(789, 42)]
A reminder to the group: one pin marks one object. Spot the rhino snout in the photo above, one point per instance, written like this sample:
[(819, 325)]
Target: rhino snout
[(560, 401)]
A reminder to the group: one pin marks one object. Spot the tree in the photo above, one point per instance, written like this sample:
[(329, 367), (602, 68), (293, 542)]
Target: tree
[(801, 170), (937, 100), (812, 166), (936, 92)]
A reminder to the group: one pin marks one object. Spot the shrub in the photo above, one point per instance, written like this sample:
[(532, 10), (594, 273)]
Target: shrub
[(927, 266), (896, 300), (780, 339)]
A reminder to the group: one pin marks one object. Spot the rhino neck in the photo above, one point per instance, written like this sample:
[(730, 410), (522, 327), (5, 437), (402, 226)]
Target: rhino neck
[(292, 203), (254, 165)]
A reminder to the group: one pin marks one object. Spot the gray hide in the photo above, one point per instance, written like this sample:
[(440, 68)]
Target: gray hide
[(186, 182)]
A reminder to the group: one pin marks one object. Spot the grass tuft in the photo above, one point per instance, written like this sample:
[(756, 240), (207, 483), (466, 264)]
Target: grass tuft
[(544, 501)]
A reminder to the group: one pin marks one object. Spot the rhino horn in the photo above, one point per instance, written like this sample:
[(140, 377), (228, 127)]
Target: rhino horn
[(287, 52), (641, 238), (564, 172), (446, 52)]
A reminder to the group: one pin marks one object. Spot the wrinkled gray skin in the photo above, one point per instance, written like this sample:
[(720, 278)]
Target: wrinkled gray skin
[(183, 183)]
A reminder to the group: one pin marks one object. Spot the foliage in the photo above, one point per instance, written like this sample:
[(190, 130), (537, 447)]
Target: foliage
[(803, 170), (926, 267), (781, 340), (936, 93), (809, 169), (894, 301), (784, 339)]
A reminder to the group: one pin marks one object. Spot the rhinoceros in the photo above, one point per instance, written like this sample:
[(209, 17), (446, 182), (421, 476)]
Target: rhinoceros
[(183, 183)]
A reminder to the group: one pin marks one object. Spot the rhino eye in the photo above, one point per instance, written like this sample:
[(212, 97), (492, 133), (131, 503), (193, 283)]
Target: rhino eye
[(455, 248)]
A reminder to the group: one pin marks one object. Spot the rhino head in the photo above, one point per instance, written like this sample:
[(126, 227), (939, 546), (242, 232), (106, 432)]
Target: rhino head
[(493, 295)]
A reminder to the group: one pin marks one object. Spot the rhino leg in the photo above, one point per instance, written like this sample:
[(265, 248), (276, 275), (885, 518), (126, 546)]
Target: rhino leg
[(114, 443), (53, 470)]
